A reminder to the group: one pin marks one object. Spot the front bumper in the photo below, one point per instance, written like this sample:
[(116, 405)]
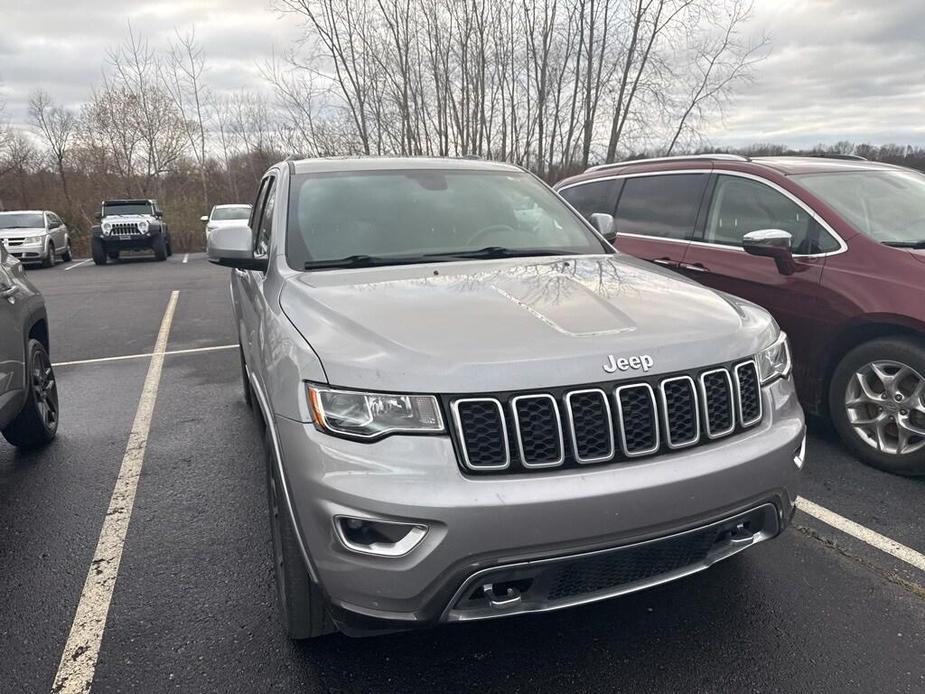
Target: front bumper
[(128, 243), (31, 252), (483, 528)]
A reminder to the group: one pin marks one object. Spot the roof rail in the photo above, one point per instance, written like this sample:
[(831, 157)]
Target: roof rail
[(680, 157)]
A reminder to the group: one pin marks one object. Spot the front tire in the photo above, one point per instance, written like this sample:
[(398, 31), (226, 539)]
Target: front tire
[(49, 260), (37, 423), (98, 251), (877, 403), (303, 607), (67, 257), (159, 247)]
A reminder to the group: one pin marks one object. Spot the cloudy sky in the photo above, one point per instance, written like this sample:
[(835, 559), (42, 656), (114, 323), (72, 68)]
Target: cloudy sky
[(838, 69)]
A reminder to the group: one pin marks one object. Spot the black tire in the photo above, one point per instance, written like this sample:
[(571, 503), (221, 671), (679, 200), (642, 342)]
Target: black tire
[(907, 351), (169, 247), (302, 605), (37, 423), (67, 257), (245, 381), (159, 247), (98, 251), (49, 260), (113, 255)]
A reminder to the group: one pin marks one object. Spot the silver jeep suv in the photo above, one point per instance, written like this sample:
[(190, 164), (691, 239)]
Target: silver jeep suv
[(475, 407)]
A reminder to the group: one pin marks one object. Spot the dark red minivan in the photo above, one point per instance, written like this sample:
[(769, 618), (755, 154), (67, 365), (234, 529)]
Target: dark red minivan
[(834, 248)]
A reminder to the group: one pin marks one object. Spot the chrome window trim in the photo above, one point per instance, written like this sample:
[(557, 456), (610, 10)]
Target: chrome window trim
[(655, 422), (571, 422), (665, 421), (520, 442), (457, 421), (842, 245), (706, 409), (738, 388)]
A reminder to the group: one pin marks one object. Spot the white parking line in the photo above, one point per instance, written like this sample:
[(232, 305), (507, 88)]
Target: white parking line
[(78, 661), (859, 532), (78, 264), (101, 360), (186, 259)]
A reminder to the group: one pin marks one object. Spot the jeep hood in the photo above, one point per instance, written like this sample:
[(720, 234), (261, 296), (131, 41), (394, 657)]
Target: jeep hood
[(483, 326)]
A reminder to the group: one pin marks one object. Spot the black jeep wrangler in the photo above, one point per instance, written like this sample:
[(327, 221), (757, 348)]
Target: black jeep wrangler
[(130, 225)]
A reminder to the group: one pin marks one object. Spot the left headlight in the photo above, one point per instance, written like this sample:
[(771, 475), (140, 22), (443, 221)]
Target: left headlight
[(774, 361), (360, 415), (143, 226), (38, 238)]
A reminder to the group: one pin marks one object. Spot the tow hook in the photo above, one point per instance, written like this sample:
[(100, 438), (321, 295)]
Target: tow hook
[(741, 535), (511, 596)]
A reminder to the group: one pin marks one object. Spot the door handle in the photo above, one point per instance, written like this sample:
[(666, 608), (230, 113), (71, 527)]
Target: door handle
[(7, 292), (696, 267), (667, 262)]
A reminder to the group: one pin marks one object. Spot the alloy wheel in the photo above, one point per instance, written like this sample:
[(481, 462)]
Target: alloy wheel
[(885, 403), (45, 390)]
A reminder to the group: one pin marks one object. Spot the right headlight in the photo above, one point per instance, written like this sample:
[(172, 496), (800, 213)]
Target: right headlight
[(360, 415), (774, 361)]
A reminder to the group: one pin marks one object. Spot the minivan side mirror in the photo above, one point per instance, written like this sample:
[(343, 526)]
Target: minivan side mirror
[(233, 246), (772, 243), (603, 222)]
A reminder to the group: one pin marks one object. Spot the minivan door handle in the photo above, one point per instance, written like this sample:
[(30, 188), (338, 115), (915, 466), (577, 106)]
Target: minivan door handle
[(667, 262), (696, 267)]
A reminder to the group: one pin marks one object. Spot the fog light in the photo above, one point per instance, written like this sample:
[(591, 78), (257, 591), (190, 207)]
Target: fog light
[(799, 455), (378, 537)]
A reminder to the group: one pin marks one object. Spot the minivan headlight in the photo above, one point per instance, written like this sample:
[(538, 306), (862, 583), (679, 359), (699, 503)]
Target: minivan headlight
[(774, 361), (356, 414), (29, 240)]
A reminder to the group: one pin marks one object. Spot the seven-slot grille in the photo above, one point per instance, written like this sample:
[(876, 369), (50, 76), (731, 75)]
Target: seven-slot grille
[(608, 423), (124, 229)]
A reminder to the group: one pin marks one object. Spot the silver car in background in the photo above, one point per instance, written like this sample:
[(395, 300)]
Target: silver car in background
[(475, 407), (35, 236), (28, 389), (225, 215)]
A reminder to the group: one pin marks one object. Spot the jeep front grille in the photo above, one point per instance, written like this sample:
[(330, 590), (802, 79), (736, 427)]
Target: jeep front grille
[(606, 423), (124, 229)]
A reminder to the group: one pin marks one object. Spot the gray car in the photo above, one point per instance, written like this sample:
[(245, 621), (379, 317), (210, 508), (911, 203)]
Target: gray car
[(35, 236), (473, 412), (28, 390)]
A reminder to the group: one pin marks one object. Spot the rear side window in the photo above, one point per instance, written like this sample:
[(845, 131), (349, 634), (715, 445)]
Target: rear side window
[(661, 206), (589, 198), (741, 205)]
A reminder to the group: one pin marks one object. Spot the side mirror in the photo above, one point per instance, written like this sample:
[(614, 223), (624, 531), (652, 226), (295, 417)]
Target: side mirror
[(603, 222), (233, 246), (158, 214), (98, 216), (204, 218), (772, 243)]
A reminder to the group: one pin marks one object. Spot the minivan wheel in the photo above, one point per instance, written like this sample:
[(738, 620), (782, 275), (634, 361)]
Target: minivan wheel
[(37, 423), (303, 607), (67, 257), (50, 258), (877, 401)]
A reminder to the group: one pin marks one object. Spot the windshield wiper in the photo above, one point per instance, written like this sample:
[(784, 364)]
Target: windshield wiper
[(492, 252), (905, 244), (352, 261)]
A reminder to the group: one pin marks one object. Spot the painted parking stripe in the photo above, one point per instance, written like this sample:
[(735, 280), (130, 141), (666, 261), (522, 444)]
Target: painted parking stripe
[(78, 661), (146, 355), (78, 264), (859, 532), (186, 259)]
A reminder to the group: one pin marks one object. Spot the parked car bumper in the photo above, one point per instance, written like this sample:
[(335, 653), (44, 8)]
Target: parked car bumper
[(29, 252), (501, 530)]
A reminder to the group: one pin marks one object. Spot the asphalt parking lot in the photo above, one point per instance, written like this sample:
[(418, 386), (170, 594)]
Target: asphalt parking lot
[(194, 607)]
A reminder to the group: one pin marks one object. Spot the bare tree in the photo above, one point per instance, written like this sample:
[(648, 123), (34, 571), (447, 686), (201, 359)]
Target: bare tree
[(58, 128)]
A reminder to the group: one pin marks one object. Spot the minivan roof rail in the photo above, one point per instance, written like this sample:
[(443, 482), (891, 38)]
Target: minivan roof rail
[(826, 155), (680, 157)]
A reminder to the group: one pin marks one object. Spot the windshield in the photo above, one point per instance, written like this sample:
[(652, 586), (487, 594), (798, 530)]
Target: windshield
[(22, 220), (224, 214), (888, 206), (413, 214), (112, 209)]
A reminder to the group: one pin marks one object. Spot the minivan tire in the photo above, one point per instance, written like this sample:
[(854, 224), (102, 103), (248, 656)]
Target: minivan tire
[(98, 251), (910, 352), (302, 605), (49, 260), (37, 423)]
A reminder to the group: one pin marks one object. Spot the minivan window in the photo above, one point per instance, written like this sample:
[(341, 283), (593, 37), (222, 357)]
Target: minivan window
[(888, 206), (662, 206), (589, 198), (414, 215), (224, 214), (741, 205)]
